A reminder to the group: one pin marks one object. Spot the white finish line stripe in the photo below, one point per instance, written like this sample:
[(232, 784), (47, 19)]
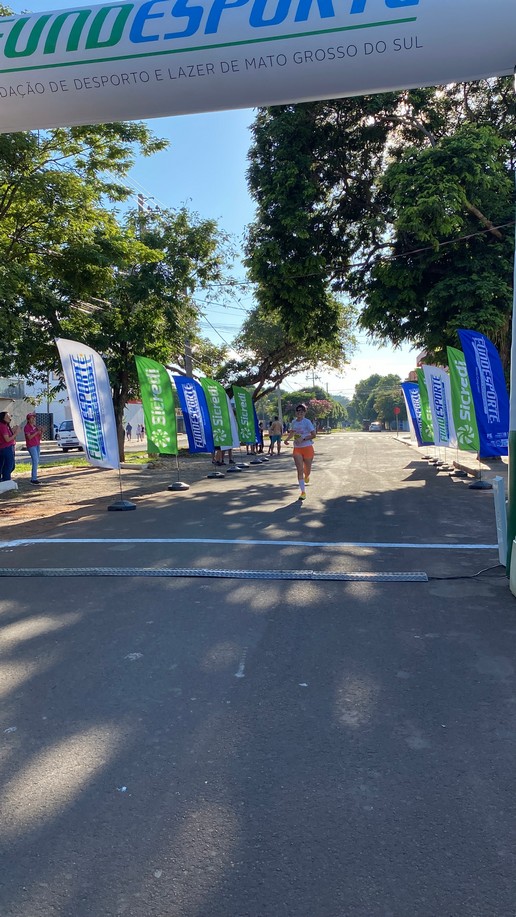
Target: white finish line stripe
[(23, 542)]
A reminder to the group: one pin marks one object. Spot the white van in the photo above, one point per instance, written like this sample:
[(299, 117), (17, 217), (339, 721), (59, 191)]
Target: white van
[(66, 437)]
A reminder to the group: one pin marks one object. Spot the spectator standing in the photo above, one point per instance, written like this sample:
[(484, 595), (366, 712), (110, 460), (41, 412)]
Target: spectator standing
[(7, 446), (32, 441), (260, 442), (128, 431), (275, 431)]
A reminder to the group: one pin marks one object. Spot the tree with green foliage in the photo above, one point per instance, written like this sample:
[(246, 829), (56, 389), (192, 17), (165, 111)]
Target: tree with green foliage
[(268, 354), (450, 265), (385, 402), (147, 305), (58, 242), (70, 268), (280, 246), (372, 398), (319, 405), (403, 201)]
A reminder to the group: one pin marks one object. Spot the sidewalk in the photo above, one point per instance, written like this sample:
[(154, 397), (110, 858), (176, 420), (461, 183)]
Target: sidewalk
[(487, 469)]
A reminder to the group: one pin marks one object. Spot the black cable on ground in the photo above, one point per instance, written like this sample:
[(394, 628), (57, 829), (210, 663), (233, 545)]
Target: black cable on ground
[(472, 575)]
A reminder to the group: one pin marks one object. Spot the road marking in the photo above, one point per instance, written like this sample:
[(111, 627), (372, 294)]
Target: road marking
[(241, 667), (24, 542)]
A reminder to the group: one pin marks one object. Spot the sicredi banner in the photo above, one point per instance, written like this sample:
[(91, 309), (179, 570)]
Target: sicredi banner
[(129, 60), (91, 404), (235, 439), (219, 410), (244, 410), (158, 406), (427, 427), (462, 402)]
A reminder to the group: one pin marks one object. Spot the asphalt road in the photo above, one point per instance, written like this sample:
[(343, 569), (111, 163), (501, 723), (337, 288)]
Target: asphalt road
[(239, 747)]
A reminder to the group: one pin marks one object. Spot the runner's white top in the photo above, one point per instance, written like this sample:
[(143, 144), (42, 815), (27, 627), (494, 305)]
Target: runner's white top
[(302, 428)]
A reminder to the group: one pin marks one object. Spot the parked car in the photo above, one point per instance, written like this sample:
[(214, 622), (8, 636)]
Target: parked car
[(375, 427), (66, 437)]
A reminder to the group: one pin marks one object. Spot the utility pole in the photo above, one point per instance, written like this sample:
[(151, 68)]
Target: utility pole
[(188, 358), (280, 412)]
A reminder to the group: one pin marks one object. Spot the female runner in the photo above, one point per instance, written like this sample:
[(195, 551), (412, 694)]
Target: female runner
[(303, 432)]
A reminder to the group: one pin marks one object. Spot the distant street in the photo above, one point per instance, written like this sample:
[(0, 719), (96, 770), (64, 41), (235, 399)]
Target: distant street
[(51, 451), (256, 745)]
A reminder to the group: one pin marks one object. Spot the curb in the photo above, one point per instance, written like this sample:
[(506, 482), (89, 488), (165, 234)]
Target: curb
[(7, 485)]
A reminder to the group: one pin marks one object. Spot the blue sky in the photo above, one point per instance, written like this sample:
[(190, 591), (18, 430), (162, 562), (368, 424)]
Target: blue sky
[(204, 168)]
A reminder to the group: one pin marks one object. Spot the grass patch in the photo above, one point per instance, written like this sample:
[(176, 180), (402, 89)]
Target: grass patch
[(58, 463), (136, 458)]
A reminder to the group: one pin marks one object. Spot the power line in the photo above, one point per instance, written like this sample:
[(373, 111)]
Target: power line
[(407, 254), (219, 334), (220, 305)]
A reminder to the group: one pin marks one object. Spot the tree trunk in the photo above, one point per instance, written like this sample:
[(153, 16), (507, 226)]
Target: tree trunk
[(119, 402), (502, 340)]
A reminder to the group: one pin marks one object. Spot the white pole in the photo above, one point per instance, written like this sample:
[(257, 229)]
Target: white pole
[(511, 506)]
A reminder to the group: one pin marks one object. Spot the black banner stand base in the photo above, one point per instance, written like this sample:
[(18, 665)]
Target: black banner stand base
[(179, 485), (121, 506), (480, 485), (216, 474)]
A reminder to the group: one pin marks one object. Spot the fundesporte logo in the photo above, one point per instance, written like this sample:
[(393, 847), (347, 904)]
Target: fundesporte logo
[(194, 413), (486, 380), (441, 411), (88, 402), (91, 35)]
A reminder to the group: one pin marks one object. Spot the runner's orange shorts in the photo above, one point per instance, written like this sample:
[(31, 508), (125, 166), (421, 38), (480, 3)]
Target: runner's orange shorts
[(306, 451)]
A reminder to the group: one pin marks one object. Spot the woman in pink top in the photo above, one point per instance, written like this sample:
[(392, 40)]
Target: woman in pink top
[(7, 444), (32, 440)]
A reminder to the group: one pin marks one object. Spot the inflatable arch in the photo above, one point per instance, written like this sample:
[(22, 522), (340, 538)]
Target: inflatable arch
[(129, 60)]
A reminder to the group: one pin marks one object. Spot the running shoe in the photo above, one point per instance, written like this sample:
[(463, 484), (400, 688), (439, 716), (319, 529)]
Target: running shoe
[(302, 495), (307, 479)]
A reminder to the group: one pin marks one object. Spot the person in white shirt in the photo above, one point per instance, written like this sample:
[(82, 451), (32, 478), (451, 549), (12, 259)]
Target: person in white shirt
[(303, 432)]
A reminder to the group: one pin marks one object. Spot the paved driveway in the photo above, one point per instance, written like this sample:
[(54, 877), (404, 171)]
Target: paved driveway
[(213, 746)]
